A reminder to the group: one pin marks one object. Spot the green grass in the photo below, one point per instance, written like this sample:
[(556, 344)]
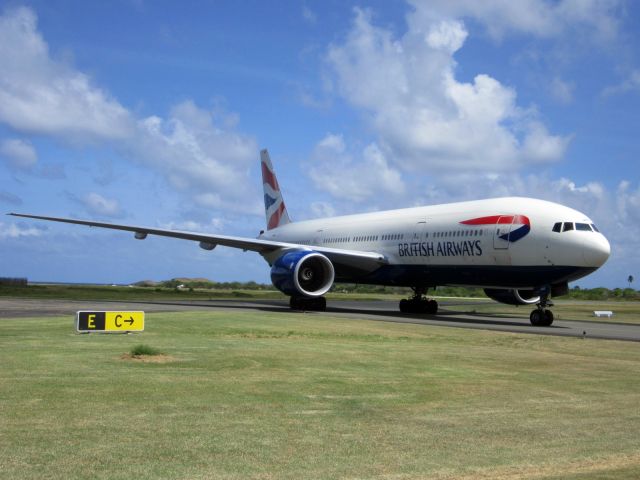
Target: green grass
[(119, 293), (104, 292), (582, 310), (142, 350), (249, 395)]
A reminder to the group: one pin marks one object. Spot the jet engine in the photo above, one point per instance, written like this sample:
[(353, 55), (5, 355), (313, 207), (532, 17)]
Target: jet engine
[(513, 296), (303, 273)]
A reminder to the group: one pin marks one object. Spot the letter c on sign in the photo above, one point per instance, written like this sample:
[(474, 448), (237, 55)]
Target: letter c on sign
[(118, 317)]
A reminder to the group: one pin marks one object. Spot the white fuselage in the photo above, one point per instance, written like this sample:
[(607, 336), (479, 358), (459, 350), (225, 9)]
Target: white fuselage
[(504, 242)]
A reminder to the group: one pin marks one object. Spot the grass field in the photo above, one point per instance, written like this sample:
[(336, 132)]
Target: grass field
[(582, 310), (264, 396), (103, 292)]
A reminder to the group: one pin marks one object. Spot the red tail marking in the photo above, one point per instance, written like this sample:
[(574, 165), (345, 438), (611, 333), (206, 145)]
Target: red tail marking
[(269, 178), (274, 220)]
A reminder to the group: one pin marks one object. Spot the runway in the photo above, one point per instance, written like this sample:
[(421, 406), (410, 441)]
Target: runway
[(382, 311)]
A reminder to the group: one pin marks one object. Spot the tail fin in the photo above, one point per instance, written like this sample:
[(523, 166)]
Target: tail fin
[(274, 207)]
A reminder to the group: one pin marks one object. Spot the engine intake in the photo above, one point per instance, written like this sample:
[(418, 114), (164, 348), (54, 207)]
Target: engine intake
[(513, 296), (305, 273)]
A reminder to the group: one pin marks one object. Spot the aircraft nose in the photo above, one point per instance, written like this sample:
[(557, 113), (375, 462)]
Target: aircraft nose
[(596, 251)]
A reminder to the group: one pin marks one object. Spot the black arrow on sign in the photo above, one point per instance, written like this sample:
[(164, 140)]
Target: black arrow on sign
[(130, 321)]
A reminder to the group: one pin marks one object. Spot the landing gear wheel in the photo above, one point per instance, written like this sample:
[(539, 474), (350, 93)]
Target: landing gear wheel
[(404, 306), (536, 318), (432, 307), (418, 303), (541, 318), (318, 304)]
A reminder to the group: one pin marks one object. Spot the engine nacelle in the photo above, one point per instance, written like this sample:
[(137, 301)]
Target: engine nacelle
[(513, 296), (303, 273)]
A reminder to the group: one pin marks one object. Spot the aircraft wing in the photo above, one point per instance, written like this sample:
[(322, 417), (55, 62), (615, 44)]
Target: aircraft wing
[(367, 261)]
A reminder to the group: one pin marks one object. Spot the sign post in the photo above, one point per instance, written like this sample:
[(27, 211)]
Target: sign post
[(109, 322)]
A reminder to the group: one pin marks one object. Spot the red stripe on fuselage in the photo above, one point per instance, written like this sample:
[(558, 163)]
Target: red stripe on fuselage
[(269, 178), (498, 220)]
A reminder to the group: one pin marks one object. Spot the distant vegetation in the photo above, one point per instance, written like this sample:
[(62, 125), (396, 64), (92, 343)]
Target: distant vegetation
[(576, 292), (13, 281), (202, 288)]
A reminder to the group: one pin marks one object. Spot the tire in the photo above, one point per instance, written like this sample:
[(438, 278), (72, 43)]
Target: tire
[(548, 318), (432, 307), (294, 303), (404, 307), (537, 318), (320, 304)]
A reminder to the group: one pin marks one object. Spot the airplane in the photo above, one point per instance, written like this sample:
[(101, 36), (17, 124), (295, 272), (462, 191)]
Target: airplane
[(522, 251)]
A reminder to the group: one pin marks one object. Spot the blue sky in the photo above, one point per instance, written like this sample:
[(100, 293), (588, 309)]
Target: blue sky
[(153, 113)]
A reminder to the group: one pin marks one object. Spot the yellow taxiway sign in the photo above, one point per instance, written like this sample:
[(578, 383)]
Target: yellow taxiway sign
[(87, 321)]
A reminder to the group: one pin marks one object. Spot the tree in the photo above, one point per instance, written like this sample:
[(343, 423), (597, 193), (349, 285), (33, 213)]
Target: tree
[(630, 280)]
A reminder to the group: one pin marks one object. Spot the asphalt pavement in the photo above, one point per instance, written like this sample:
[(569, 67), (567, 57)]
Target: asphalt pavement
[(382, 311)]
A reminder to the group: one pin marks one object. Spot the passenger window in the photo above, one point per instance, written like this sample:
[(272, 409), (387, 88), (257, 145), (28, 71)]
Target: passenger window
[(557, 227), (567, 226), (583, 227)]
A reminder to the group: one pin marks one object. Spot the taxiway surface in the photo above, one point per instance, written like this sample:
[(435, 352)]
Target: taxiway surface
[(383, 311)]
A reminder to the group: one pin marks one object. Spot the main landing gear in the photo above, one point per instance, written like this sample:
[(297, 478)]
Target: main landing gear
[(309, 304), (418, 303), (541, 316)]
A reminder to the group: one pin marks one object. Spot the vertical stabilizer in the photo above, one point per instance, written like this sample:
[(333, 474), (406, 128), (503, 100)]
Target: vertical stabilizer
[(274, 207)]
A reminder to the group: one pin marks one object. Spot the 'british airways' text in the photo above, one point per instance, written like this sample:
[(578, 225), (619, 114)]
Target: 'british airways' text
[(467, 248)]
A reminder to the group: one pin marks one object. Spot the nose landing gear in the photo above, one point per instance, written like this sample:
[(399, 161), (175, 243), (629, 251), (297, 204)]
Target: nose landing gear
[(418, 303), (541, 316)]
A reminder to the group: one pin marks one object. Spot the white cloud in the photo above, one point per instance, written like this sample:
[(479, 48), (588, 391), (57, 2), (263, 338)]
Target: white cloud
[(424, 118), (628, 203), (40, 95), (215, 225), (12, 230), (322, 210), (197, 156), (96, 204), (198, 151), (541, 18), (337, 172), (19, 154), (629, 84), (562, 91), (309, 15)]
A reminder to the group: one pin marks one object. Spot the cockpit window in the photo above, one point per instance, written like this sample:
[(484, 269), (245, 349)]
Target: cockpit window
[(583, 226), (595, 229), (567, 226), (557, 227)]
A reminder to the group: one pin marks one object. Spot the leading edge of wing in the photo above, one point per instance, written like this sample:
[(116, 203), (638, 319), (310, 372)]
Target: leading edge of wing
[(244, 243)]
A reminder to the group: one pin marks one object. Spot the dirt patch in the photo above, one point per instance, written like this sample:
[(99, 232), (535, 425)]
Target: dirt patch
[(148, 358)]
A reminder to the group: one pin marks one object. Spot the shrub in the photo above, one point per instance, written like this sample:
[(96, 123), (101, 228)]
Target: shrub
[(140, 350)]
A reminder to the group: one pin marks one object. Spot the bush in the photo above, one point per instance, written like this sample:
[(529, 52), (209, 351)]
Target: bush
[(140, 350)]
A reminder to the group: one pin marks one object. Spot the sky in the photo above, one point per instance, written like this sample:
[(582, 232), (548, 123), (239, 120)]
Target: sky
[(153, 113)]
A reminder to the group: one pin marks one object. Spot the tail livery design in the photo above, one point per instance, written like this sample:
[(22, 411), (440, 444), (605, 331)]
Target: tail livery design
[(274, 207)]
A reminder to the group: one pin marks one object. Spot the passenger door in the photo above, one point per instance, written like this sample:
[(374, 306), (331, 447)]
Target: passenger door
[(503, 229)]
